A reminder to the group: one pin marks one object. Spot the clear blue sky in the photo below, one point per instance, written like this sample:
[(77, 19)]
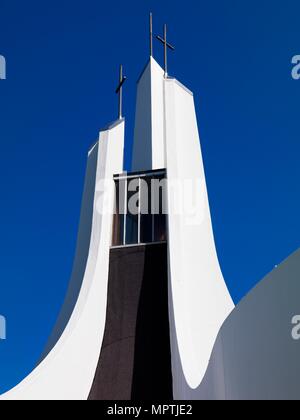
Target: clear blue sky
[(62, 62)]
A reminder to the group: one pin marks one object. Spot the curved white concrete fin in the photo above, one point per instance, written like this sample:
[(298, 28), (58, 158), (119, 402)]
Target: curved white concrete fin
[(199, 299), (68, 370)]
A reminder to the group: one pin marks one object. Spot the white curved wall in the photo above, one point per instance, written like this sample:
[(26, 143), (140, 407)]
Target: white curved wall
[(68, 371), (199, 298)]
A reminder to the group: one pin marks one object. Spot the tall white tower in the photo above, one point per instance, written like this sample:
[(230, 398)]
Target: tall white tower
[(166, 136)]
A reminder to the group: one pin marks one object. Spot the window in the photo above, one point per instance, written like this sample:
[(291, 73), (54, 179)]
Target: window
[(140, 214)]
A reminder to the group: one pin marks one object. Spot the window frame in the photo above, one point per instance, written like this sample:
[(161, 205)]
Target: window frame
[(123, 220)]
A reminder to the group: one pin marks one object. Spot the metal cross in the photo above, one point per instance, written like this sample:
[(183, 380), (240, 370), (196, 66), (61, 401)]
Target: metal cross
[(119, 91), (166, 46), (151, 35)]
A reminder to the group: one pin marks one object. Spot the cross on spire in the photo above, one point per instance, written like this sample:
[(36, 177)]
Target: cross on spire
[(151, 35), (164, 41), (119, 91)]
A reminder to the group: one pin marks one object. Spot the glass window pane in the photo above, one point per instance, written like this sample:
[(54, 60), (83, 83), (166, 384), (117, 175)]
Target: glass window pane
[(159, 207), (160, 231), (131, 229), (132, 217), (118, 226), (146, 216)]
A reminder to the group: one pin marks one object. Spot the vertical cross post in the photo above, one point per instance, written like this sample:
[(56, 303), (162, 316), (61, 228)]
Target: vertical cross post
[(151, 35), (166, 50), (119, 91), (121, 94), (164, 41)]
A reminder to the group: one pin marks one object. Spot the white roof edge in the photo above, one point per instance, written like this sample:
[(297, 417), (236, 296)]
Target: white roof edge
[(107, 128), (172, 79), (93, 147), (151, 60), (112, 125)]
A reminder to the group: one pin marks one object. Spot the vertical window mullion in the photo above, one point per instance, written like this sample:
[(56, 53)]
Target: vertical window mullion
[(139, 214), (152, 212), (125, 210)]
